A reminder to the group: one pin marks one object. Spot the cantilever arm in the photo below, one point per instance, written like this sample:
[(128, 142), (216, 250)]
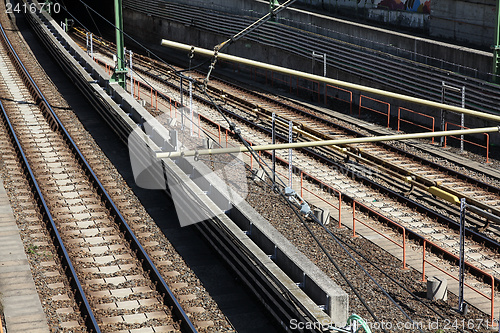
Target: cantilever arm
[(321, 143), (335, 82)]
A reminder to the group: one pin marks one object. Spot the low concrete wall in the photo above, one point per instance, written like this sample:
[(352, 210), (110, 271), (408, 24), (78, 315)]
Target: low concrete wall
[(314, 282), (464, 20), (384, 40)]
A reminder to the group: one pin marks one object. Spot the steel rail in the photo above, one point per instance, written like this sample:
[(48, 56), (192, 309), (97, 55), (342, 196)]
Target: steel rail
[(68, 267), (279, 302), (350, 131), (411, 178), (477, 236), (441, 218), (322, 143), (147, 264), (422, 182)]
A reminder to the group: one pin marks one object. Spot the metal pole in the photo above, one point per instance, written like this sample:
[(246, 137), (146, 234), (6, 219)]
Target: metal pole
[(322, 143), (334, 82), (273, 140), (132, 76), (312, 62), (120, 73), (92, 45), (87, 42), (461, 308), (191, 104), (272, 6), (442, 113), (462, 121), (181, 92), (182, 105), (290, 158), (322, 56), (324, 72)]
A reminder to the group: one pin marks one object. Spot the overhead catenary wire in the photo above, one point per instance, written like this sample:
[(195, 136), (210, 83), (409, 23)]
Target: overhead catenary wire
[(281, 193), (254, 25), (252, 151), (217, 49), (330, 258), (124, 33), (261, 162), (139, 75), (115, 27), (92, 18)]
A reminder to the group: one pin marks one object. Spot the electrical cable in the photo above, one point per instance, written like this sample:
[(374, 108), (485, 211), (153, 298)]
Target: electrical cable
[(219, 47), (357, 318), (254, 25), (238, 134), (135, 72), (160, 93), (245, 143), (364, 270), (92, 18), (356, 292), (400, 285), (328, 255), (319, 242)]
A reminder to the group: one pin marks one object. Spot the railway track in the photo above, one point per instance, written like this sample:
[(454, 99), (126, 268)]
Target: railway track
[(118, 286), (383, 159), (408, 209), (410, 169)]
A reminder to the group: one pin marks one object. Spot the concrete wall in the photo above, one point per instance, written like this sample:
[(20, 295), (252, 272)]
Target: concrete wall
[(471, 21), (385, 40)]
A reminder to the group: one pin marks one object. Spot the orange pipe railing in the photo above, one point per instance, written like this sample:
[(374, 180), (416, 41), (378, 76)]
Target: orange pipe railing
[(388, 114), (490, 298), (415, 124), (487, 147), (340, 99), (394, 224)]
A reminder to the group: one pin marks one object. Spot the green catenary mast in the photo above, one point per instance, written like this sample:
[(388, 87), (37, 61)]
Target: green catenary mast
[(272, 5), (120, 74)]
